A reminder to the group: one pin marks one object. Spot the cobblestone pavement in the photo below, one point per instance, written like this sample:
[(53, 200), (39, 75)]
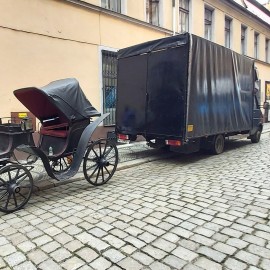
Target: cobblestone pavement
[(188, 212)]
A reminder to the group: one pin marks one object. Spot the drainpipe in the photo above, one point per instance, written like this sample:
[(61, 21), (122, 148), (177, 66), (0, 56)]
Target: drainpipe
[(173, 6)]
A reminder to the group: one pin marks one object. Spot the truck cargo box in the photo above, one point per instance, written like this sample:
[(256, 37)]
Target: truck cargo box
[(183, 87)]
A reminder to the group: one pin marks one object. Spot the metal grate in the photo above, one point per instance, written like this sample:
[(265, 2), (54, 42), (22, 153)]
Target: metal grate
[(109, 83)]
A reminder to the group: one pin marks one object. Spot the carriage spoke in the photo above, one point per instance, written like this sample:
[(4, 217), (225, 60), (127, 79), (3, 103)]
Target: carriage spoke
[(97, 174), (107, 170), (7, 202), (21, 180), (15, 200), (3, 195), (9, 175), (17, 173), (95, 153), (99, 146), (108, 152), (105, 148), (112, 157), (91, 167), (102, 173), (94, 171), (22, 195)]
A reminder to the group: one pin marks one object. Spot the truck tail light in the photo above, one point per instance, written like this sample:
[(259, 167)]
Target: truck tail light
[(122, 137), (173, 142)]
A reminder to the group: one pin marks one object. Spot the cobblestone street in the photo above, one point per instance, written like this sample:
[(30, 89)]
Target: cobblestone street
[(187, 212)]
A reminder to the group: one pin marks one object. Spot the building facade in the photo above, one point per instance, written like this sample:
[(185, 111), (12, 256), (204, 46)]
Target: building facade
[(46, 40)]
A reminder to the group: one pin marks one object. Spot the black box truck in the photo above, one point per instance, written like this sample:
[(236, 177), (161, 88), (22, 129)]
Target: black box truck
[(187, 93)]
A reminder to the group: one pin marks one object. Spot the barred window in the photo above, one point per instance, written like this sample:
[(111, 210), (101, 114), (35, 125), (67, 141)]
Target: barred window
[(152, 11), (109, 84), (208, 18), (114, 5), (183, 16)]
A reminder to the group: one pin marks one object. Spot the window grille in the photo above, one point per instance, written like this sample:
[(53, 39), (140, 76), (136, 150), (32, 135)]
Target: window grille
[(114, 5), (183, 16), (152, 11), (208, 14), (243, 39), (228, 23), (109, 84)]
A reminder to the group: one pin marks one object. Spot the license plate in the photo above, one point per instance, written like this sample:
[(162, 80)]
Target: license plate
[(123, 141)]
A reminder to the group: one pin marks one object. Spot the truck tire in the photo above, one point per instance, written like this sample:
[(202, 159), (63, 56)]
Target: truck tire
[(218, 144), (255, 138)]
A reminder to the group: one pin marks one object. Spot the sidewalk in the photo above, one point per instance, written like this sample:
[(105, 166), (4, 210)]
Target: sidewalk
[(130, 155)]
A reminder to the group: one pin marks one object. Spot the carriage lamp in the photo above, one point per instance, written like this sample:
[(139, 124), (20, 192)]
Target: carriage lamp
[(26, 124)]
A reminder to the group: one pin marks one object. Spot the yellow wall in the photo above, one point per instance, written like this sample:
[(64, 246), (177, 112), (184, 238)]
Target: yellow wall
[(197, 24), (136, 9), (51, 40), (46, 40)]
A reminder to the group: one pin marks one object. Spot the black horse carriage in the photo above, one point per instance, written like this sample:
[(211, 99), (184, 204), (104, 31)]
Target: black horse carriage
[(66, 129)]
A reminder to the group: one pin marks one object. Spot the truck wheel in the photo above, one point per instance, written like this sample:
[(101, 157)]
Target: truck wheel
[(255, 138), (218, 144)]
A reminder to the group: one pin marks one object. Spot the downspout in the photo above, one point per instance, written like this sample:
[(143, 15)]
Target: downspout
[(174, 17)]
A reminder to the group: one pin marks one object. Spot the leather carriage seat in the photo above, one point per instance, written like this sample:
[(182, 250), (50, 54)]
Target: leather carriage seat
[(60, 130)]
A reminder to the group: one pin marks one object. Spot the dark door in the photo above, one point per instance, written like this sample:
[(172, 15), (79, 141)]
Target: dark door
[(151, 93), (166, 92), (131, 95)]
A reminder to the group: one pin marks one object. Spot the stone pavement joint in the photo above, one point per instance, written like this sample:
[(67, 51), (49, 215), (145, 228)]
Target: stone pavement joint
[(187, 212)]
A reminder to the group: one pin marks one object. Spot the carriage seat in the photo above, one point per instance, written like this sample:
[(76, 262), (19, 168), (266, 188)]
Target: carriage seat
[(60, 130)]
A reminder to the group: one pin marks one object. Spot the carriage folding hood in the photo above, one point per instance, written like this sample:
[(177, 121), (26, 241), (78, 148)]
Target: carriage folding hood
[(183, 87), (63, 99)]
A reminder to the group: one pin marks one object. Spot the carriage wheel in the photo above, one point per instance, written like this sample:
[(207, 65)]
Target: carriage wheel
[(100, 162), (16, 185), (62, 164)]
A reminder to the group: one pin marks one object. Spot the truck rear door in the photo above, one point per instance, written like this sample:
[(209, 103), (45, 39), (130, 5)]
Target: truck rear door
[(166, 91)]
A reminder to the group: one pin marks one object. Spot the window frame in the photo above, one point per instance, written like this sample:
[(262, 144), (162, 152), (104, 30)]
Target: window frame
[(256, 45), (267, 50), (243, 39), (184, 11), (109, 5), (208, 34), (149, 11), (228, 32)]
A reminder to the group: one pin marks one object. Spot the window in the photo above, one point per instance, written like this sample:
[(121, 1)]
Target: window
[(267, 50), (114, 5), (109, 83), (208, 18), (256, 45), (152, 11), (183, 16), (228, 23), (244, 39)]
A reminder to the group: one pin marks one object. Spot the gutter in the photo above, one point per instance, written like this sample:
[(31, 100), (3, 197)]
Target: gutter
[(247, 13)]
